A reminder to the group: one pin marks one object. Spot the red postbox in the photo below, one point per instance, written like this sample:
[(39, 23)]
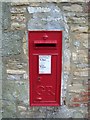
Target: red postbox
[(45, 65)]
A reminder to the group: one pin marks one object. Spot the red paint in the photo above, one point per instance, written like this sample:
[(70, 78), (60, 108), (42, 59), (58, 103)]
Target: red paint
[(45, 89)]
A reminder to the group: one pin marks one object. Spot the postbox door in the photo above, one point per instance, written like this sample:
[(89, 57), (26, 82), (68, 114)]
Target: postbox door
[(45, 63), (45, 87)]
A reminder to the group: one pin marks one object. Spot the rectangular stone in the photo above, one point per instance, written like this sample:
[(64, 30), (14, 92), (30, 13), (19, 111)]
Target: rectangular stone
[(80, 36), (73, 8), (76, 88), (82, 65), (82, 73), (38, 9), (80, 56), (17, 25), (72, 1), (10, 71), (6, 16), (20, 3), (18, 10), (18, 18), (79, 28), (12, 42), (80, 20)]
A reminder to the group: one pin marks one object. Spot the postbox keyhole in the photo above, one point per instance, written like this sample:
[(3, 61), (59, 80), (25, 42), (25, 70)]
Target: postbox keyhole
[(38, 79)]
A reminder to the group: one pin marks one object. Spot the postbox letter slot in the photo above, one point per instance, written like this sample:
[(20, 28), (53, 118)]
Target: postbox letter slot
[(45, 45)]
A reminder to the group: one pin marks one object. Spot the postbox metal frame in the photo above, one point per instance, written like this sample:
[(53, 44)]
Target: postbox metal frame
[(35, 43)]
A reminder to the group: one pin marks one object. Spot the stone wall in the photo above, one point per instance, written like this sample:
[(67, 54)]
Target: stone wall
[(17, 17), (0, 60)]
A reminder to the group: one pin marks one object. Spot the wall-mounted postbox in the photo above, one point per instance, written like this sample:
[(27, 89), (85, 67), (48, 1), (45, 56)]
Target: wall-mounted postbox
[(45, 64)]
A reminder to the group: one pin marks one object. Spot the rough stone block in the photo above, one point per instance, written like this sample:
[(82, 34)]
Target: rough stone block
[(18, 26), (18, 18), (83, 99), (18, 10), (80, 56), (6, 15), (80, 36), (77, 20), (79, 29), (82, 73), (76, 88), (12, 43), (38, 9), (22, 108), (85, 44), (45, 18), (20, 3), (73, 8)]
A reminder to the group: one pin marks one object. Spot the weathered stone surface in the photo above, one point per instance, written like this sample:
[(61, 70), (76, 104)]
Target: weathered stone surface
[(67, 54), (76, 88), (9, 109), (18, 18), (79, 29), (14, 77), (16, 71), (86, 44), (82, 73), (12, 43), (22, 108), (77, 20), (6, 16), (15, 90), (77, 114), (0, 60), (61, 112), (38, 9), (1, 108), (73, 8), (17, 26), (77, 1), (77, 43), (80, 41), (81, 36), (18, 10), (80, 56), (82, 65), (48, 20), (20, 3)]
